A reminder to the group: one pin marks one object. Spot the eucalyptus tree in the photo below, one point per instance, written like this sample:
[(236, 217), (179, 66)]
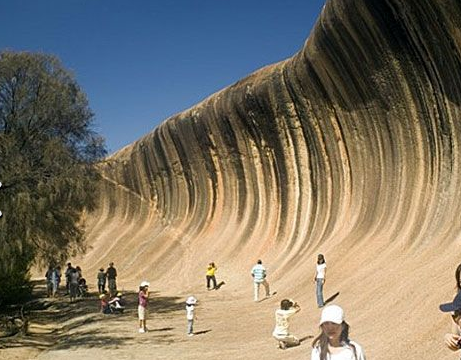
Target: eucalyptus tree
[(48, 158)]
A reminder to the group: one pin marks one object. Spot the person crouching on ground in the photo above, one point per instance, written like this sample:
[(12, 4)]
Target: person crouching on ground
[(143, 298), (190, 314), (105, 309), (333, 342), (117, 304), (453, 339), (281, 332)]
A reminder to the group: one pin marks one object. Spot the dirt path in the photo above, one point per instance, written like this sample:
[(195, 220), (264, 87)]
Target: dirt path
[(228, 327)]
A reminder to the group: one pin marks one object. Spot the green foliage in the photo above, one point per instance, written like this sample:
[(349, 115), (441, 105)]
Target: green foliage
[(48, 152)]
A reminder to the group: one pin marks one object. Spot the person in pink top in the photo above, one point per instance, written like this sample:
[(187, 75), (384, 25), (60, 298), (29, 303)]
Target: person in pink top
[(143, 298)]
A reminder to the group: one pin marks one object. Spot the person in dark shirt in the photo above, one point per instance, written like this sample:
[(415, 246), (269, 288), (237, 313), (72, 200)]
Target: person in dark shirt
[(111, 274)]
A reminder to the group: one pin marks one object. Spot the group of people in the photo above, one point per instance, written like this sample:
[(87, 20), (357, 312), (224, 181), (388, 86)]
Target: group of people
[(111, 276), (75, 282), (112, 305), (333, 342)]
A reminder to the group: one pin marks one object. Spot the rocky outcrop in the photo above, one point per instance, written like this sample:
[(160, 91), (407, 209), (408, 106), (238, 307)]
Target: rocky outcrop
[(351, 145)]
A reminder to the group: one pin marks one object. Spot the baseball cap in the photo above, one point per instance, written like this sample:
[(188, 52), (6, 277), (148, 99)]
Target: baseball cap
[(332, 313), (191, 300), (144, 283), (455, 305)]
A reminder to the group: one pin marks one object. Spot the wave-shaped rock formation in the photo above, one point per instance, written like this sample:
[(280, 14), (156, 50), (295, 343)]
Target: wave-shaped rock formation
[(350, 148)]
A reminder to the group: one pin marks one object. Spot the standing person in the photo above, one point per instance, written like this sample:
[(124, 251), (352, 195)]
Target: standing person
[(333, 343), (101, 281), (453, 339), (49, 281), (143, 297), (281, 332), (73, 284), (190, 314), (210, 275), (56, 279), (111, 274), (259, 277), (319, 278), (67, 275)]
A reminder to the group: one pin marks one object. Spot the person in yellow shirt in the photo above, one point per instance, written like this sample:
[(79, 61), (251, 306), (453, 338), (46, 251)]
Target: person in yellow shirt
[(210, 276)]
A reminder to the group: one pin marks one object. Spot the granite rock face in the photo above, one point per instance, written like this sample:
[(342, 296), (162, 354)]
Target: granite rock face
[(353, 142)]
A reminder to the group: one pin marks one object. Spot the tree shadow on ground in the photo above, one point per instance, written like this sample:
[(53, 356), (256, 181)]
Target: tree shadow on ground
[(59, 324)]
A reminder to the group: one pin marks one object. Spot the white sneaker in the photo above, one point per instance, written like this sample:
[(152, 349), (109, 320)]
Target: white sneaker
[(191, 334), (141, 331)]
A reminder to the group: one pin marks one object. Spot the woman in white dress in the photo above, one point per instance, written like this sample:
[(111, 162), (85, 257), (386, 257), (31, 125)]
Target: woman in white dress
[(333, 343)]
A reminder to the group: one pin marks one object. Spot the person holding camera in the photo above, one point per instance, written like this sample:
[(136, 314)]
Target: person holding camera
[(143, 297), (281, 331), (453, 339)]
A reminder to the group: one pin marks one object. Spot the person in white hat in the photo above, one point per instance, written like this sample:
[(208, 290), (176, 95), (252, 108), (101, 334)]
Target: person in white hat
[(333, 343), (190, 315), (143, 297)]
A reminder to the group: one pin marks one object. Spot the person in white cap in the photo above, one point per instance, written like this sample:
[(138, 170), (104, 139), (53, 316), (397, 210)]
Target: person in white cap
[(190, 315), (333, 343), (143, 297), (281, 331)]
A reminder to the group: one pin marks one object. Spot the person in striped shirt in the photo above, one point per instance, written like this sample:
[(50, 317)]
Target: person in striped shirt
[(259, 277)]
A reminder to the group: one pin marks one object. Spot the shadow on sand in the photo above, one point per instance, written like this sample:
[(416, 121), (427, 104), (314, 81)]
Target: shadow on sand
[(60, 324), (331, 298), (201, 332)]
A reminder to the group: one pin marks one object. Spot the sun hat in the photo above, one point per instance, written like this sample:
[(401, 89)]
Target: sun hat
[(332, 313), (191, 300), (144, 283), (455, 305), (102, 296)]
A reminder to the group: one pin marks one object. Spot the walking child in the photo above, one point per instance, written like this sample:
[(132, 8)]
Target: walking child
[(143, 298), (190, 314)]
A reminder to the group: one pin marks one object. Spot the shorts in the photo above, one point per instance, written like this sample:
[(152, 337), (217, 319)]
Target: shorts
[(142, 312)]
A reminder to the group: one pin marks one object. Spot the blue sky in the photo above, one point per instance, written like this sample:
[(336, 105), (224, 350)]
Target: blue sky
[(141, 61)]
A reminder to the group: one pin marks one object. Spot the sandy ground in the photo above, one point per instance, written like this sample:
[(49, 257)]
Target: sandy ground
[(228, 327)]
